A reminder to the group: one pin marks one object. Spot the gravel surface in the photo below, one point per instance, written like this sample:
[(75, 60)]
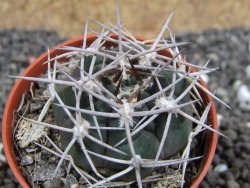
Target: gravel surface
[(228, 50)]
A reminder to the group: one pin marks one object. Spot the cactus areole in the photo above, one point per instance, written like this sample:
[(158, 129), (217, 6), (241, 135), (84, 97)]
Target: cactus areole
[(127, 108)]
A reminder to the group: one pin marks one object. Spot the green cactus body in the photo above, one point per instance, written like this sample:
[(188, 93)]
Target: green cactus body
[(146, 142)]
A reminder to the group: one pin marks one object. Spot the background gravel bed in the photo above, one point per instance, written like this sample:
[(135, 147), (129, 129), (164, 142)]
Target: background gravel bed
[(228, 50)]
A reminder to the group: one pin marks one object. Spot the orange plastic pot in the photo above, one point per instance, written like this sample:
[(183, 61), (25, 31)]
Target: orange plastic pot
[(37, 68)]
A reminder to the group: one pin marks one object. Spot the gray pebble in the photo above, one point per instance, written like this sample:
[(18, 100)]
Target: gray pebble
[(231, 134), (245, 174), (232, 184), (221, 182), (54, 183), (229, 154), (228, 176)]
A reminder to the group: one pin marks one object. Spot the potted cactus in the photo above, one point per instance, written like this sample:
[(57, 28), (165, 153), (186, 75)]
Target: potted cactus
[(126, 110)]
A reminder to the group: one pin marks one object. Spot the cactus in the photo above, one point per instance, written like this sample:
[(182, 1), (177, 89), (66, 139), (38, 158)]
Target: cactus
[(128, 86), (123, 107)]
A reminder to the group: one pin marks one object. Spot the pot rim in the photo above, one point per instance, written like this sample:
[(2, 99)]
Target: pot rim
[(35, 69)]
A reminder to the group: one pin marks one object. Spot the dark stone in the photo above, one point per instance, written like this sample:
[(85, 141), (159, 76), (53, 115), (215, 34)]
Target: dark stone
[(236, 172), (204, 185), (227, 142), (221, 182), (231, 134), (245, 174), (246, 147), (229, 153), (232, 184), (228, 176), (239, 163), (212, 178)]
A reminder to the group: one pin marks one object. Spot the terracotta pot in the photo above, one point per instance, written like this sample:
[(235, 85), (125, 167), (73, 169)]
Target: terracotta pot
[(37, 68)]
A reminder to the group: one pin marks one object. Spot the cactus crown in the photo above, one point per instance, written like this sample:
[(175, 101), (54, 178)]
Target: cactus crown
[(124, 107)]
